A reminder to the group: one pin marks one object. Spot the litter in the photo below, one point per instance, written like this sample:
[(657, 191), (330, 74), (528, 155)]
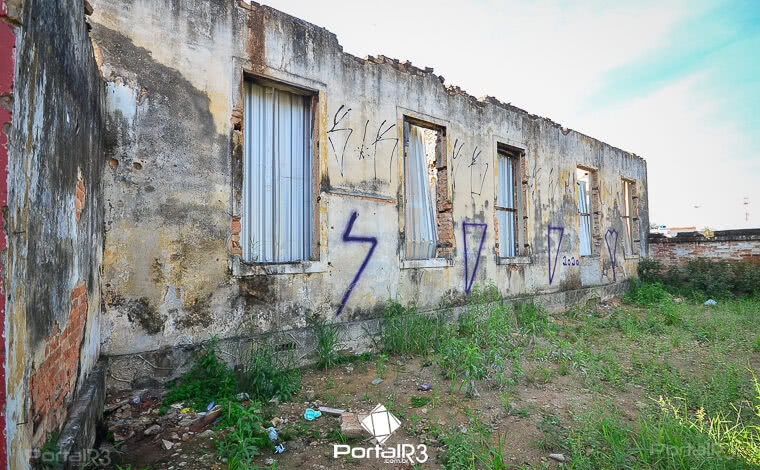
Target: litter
[(278, 447), (331, 411), (425, 387), (210, 405), (377, 381), (185, 410), (711, 302), (311, 415)]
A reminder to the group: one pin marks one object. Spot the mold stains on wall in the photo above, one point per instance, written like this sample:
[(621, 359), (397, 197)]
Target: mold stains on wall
[(257, 290), (141, 312), (55, 215), (197, 313)]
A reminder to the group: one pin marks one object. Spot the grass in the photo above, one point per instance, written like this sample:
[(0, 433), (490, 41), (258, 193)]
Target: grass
[(496, 345), (262, 373), (328, 339), (688, 365), (245, 437)]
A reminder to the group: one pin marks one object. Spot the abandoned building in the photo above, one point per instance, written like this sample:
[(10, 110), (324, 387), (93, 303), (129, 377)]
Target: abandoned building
[(178, 171)]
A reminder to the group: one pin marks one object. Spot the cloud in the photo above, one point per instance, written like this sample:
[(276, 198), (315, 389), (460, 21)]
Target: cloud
[(675, 82)]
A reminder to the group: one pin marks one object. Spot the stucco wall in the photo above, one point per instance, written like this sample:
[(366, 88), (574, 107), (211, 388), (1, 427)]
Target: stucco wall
[(174, 97), (54, 220)]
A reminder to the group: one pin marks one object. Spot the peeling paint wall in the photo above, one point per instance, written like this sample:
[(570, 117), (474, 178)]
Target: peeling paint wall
[(53, 218), (173, 273)]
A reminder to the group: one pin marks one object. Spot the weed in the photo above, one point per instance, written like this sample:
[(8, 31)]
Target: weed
[(209, 380), (756, 345), (418, 402), (645, 294), (649, 270), (245, 438), (600, 442), (554, 435), (531, 318), (380, 366), (49, 456), (544, 374), (328, 339), (334, 434), (268, 375), (405, 331), (494, 455)]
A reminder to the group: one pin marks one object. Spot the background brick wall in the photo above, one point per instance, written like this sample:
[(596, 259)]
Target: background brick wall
[(725, 245)]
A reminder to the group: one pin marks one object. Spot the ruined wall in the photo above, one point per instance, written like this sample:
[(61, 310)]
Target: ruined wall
[(725, 245), (173, 273), (53, 218)]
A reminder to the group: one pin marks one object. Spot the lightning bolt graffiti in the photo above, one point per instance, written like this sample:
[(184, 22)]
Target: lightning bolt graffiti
[(348, 238)]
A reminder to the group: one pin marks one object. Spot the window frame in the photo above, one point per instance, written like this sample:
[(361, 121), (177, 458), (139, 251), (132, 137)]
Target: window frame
[(317, 261), (407, 116), (519, 152), (593, 214), (630, 218)]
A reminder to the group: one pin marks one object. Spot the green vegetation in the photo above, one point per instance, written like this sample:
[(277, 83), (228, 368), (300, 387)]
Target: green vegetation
[(261, 373), (703, 278), (245, 437), (689, 367), (209, 380), (328, 339)]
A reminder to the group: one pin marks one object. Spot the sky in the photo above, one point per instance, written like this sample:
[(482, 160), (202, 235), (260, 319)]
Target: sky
[(676, 82)]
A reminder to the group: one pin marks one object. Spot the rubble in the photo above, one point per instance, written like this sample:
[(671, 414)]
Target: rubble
[(350, 426), (152, 430)]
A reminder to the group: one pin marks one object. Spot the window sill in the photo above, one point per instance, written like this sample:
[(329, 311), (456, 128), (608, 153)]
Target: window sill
[(514, 260), (243, 269), (426, 263)]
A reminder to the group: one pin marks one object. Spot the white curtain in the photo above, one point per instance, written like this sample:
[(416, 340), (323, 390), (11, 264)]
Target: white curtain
[(506, 199), (585, 229), (277, 191), (421, 231)]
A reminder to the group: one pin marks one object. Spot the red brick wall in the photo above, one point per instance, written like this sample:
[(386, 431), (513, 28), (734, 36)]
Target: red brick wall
[(54, 378), (673, 251)]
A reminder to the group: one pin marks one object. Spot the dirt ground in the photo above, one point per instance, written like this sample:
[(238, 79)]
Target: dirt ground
[(547, 392), (351, 387)]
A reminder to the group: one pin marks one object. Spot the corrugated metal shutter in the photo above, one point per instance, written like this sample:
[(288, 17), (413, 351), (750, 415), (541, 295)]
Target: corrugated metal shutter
[(506, 199), (277, 192), (421, 232), (585, 228)]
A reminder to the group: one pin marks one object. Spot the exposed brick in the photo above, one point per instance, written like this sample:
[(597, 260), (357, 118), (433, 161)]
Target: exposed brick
[(52, 381)]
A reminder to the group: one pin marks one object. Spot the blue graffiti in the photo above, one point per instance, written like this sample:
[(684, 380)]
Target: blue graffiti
[(612, 252), (348, 238), (469, 280), (553, 269)]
